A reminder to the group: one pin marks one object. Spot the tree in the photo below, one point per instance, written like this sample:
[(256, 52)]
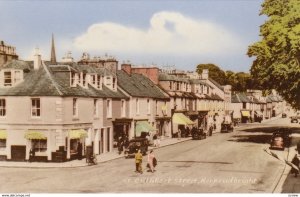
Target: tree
[(277, 63), (215, 72)]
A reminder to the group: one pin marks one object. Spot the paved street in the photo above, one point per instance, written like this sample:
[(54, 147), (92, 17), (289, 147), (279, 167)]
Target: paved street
[(231, 162)]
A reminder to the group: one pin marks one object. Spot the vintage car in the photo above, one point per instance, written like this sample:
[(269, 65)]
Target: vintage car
[(198, 134), (280, 139), (136, 144), (277, 142), (226, 127)]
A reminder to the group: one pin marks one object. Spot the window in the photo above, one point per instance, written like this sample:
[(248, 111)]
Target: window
[(170, 86), (148, 106), (84, 79), (96, 107), (35, 107), (123, 109), (137, 106), (2, 107), (98, 81), (178, 86), (244, 105), (18, 76), (108, 108), (75, 107), (2, 144), (156, 108), (7, 79), (94, 79), (73, 76), (39, 145), (114, 83)]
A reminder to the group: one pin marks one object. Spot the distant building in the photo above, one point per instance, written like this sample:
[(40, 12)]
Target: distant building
[(7, 53)]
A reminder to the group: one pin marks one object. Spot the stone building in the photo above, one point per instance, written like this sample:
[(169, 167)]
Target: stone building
[(7, 53)]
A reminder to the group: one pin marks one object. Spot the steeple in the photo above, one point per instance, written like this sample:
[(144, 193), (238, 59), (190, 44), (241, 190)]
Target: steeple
[(53, 56)]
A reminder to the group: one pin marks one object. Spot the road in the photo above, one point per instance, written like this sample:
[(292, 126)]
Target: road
[(224, 163)]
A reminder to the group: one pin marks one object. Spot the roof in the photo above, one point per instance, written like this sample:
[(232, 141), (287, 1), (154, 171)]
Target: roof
[(138, 85), (169, 77), (240, 98), (52, 81), (216, 84)]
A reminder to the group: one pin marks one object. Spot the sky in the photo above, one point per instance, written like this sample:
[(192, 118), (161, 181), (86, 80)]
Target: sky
[(179, 33)]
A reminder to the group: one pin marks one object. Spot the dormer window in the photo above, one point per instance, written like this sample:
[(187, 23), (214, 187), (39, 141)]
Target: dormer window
[(73, 79), (18, 76), (99, 82), (84, 79), (7, 78), (114, 83)]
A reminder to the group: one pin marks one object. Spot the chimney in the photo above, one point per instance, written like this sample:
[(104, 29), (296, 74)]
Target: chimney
[(205, 74), (37, 61), (126, 68)]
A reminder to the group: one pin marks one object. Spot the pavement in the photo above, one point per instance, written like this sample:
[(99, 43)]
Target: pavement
[(82, 163)]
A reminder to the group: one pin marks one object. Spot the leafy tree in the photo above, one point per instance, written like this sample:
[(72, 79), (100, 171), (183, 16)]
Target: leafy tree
[(215, 72), (277, 63)]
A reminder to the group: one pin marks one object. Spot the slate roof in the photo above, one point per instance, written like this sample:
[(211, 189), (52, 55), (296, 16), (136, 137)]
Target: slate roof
[(216, 84), (240, 98), (52, 81), (169, 77), (274, 98), (137, 85)]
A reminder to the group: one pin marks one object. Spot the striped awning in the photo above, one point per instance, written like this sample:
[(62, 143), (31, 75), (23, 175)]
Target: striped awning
[(3, 134), (143, 126), (77, 134), (181, 119), (35, 135)]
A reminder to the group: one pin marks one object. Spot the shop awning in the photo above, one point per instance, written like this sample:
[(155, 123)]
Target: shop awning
[(3, 134), (181, 119), (258, 113), (35, 135), (245, 113), (143, 126), (77, 134)]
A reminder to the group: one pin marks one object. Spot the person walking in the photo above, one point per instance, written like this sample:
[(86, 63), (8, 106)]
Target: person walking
[(138, 161), (295, 161), (79, 151), (31, 154), (150, 159), (155, 139)]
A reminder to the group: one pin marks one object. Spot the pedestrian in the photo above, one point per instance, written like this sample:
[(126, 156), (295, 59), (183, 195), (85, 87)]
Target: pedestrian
[(79, 151), (150, 164), (138, 161), (295, 161), (298, 147), (155, 139), (31, 154), (179, 134)]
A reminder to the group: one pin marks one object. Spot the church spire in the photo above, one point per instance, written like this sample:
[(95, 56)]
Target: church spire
[(53, 56)]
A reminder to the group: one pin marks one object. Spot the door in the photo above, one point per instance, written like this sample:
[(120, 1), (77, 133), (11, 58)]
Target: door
[(18, 153), (101, 142)]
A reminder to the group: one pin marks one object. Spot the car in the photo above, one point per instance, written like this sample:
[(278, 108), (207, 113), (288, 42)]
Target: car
[(226, 127), (283, 115), (136, 144), (294, 119), (198, 134), (280, 139)]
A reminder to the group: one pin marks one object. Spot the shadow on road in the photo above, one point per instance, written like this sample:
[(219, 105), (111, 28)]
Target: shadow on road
[(270, 129), (260, 139), (213, 162)]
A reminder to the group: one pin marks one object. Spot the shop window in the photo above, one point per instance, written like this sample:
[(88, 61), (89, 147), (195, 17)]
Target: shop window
[(2, 107), (35, 107), (73, 146), (39, 145), (2, 144)]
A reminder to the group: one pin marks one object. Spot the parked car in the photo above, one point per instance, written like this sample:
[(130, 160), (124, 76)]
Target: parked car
[(294, 119), (198, 134), (280, 139), (283, 115), (134, 145), (226, 127)]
